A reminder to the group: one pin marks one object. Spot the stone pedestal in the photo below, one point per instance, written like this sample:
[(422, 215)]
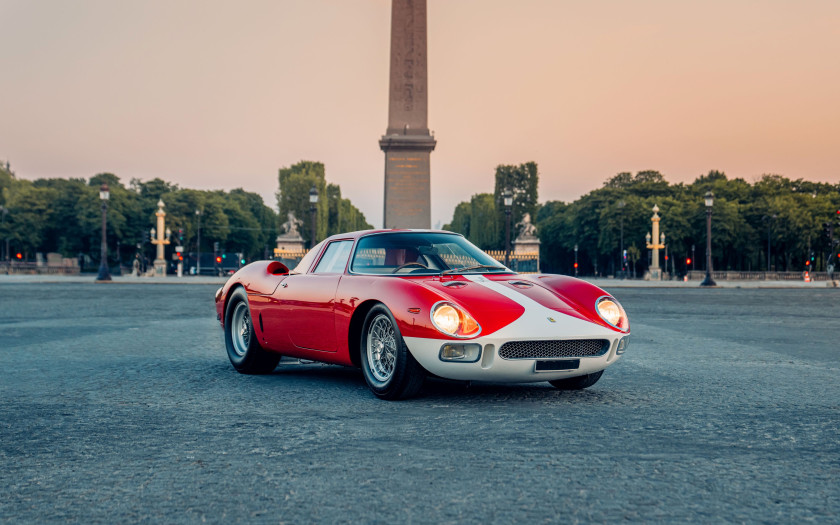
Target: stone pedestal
[(526, 244), (290, 240), (160, 268)]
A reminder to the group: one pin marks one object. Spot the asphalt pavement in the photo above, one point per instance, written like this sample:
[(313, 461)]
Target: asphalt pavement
[(118, 404)]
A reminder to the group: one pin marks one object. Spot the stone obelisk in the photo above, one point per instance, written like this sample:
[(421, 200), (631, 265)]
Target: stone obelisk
[(407, 143)]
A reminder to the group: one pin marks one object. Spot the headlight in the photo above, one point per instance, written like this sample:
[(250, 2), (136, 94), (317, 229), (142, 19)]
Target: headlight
[(612, 312), (454, 321)]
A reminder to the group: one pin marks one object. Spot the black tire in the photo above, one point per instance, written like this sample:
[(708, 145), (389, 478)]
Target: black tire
[(577, 383), (244, 351), (390, 371)]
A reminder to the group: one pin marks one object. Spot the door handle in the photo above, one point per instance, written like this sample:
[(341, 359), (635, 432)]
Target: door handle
[(284, 285)]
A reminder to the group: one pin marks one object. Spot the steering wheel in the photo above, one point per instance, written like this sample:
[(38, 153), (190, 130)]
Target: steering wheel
[(406, 265)]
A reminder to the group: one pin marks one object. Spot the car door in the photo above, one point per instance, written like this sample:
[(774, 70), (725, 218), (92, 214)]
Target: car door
[(307, 301)]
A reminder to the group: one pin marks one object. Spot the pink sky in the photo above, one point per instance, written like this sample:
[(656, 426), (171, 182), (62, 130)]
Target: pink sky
[(218, 95)]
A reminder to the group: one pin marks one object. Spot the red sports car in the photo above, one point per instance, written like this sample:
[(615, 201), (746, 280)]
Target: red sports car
[(405, 304)]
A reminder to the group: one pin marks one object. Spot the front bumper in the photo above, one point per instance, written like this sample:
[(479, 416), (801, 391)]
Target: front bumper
[(491, 367)]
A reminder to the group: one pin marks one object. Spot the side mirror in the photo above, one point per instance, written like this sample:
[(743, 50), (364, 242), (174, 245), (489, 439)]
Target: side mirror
[(277, 268)]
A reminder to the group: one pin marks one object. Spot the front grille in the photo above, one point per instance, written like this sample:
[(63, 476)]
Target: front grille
[(548, 349)]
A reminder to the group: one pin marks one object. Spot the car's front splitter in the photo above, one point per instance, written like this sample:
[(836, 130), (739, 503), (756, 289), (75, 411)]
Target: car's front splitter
[(491, 367)]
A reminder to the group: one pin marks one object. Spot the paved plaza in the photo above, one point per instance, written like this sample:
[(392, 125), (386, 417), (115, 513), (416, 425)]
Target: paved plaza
[(118, 404)]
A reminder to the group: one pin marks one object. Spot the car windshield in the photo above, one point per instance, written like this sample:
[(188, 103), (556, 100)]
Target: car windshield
[(420, 253)]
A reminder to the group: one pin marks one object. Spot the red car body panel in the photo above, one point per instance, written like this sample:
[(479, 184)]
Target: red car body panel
[(309, 315)]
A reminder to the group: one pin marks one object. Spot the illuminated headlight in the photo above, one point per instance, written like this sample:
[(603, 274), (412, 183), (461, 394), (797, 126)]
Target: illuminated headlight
[(459, 352), (612, 312), (454, 321)]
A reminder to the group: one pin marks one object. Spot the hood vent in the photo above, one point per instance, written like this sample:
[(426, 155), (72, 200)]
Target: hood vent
[(455, 284), (521, 284)]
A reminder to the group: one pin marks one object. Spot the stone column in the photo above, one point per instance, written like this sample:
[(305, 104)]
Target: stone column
[(407, 142), (161, 240), (655, 272)]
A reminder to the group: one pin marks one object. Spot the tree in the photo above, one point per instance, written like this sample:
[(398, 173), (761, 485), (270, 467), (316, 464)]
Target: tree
[(334, 214), (522, 181)]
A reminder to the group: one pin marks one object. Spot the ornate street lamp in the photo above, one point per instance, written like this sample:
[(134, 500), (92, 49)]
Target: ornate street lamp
[(710, 200), (104, 274), (198, 244), (313, 200), (621, 205), (507, 195), (769, 220)]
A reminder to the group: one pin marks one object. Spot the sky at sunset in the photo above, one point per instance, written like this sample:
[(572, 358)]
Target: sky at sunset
[(219, 95)]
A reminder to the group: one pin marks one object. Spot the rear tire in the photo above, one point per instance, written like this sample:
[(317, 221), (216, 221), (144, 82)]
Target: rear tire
[(244, 351), (577, 383), (390, 371)]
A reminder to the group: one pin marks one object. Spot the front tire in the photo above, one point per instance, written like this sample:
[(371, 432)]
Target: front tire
[(577, 383), (244, 351), (390, 371)]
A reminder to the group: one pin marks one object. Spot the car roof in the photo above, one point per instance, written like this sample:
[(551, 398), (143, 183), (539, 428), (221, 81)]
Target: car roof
[(361, 233)]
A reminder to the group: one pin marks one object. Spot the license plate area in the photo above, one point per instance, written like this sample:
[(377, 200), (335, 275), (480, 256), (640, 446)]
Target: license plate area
[(557, 364)]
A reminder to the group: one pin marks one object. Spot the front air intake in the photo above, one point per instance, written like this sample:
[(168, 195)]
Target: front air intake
[(549, 349)]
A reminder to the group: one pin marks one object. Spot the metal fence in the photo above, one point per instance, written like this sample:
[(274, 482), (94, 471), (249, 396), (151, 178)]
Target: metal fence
[(31, 268), (760, 276), (528, 262), (290, 259)]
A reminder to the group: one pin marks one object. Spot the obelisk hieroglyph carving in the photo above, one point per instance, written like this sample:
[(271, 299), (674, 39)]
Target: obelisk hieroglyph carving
[(407, 143)]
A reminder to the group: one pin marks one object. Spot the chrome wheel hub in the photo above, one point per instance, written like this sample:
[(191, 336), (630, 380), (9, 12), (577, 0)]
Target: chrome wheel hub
[(240, 329), (381, 348)]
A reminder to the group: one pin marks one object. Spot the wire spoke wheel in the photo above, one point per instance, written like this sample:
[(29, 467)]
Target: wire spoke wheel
[(381, 348), (241, 329)]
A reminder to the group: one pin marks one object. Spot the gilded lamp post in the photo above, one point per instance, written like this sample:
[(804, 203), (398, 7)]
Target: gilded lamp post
[(655, 271), (160, 240)]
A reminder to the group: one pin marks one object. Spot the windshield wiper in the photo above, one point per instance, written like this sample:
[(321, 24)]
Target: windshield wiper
[(475, 267)]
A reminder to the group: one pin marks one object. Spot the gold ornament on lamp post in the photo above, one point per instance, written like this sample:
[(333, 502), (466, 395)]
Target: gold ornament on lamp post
[(655, 273), (160, 240)]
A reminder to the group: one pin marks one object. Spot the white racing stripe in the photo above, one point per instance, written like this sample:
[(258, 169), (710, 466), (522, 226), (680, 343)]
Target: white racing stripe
[(517, 297), (536, 319)]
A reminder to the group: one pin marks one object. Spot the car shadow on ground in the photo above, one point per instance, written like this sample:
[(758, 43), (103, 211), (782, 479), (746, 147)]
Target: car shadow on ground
[(437, 389)]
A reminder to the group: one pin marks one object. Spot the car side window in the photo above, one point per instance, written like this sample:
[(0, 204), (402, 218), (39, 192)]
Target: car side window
[(335, 257)]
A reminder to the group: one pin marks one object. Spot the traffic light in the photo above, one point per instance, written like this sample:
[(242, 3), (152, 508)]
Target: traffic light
[(576, 265), (218, 260), (216, 246), (145, 237), (181, 234), (687, 261), (19, 255), (242, 261)]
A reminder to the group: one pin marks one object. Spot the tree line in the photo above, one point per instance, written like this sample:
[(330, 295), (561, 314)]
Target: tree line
[(775, 221), (64, 215)]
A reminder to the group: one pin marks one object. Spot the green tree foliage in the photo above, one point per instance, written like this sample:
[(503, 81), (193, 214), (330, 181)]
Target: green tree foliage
[(522, 180), (476, 220), (64, 216), (791, 212), (482, 219), (333, 213)]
